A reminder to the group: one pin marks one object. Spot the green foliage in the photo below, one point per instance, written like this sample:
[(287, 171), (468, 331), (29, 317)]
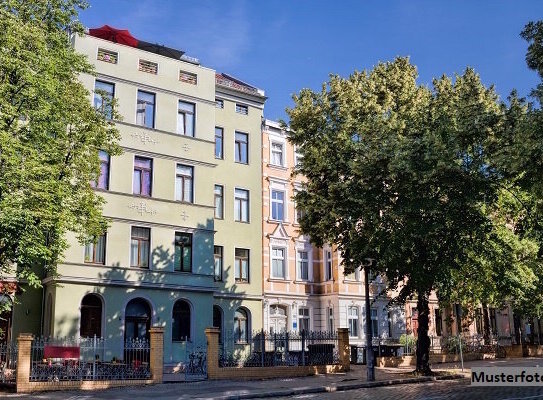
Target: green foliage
[(408, 340), (49, 138), (399, 173)]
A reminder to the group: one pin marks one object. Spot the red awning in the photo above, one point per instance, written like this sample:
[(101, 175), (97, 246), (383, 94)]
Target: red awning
[(121, 36)]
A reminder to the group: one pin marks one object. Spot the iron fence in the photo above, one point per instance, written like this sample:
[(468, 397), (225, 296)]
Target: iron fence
[(8, 362), (268, 349), (79, 359), (195, 366)]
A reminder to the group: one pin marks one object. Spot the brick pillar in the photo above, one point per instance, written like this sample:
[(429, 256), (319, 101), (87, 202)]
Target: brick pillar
[(24, 345), (157, 353), (344, 348), (212, 335)]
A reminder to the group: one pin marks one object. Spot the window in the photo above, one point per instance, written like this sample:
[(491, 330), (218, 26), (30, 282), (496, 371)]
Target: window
[(218, 262), (241, 205), (184, 183), (219, 103), (139, 247), (374, 323), (479, 321), (219, 140), (145, 112), (492, 316), (185, 118), (297, 157), (352, 315), (303, 265), (219, 201), (95, 251), (143, 173), (300, 213), (330, 319), (278, 263), (241, 326), (277, 157), (278, 205), (183, 252), (148, 66), (217, 320), (181, 321), (437, 317), (137, 319), (328, 265), (103, 179), (107, 56), (241, 148), (242, 109), (188, 77), (104, 92), (91, 316), (390, 323), (242, 265), (303, 319)]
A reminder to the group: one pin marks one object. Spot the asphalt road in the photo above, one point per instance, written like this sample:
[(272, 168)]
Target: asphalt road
[(440, 390)]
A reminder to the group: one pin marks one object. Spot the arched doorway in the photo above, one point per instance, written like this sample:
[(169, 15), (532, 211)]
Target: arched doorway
[(6, 317), (217, 320), (181, 321), (137, 319), (278, 318), (91, 316)]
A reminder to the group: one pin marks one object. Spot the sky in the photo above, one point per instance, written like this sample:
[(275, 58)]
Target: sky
[(285, 46)]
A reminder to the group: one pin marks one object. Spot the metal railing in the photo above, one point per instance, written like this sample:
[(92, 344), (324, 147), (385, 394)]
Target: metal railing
[(268, 349), (79, 359), (8, 362)]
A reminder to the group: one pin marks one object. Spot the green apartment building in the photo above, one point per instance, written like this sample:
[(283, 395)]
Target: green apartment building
[(183, 249)]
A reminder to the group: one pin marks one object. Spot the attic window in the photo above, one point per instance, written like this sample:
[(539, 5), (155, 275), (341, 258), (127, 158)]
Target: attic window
[(148, 66), (242, 109), (188, 77), (107, 56)]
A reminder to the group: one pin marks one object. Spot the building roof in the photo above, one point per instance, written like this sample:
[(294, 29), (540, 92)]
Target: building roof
[(228, 81)]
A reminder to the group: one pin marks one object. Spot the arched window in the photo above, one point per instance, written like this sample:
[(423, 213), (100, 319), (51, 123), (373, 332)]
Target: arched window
[(217, 320), (91, 316), (137, 320), (6, 313), (181, 321), (241, 325)]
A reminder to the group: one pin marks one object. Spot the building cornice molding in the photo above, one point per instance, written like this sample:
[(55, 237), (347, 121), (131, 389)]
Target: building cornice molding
[(242, 296), (159, 224), (167, 157)]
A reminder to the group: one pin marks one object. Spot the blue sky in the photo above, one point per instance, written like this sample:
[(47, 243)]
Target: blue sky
[(284, 46)]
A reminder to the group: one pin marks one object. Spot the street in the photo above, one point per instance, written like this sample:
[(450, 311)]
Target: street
[(440, 390)]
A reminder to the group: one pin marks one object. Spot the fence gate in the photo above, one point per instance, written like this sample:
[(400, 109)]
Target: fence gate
[(196, 361)]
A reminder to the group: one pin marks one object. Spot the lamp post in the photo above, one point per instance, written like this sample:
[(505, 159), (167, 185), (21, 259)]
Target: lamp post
[(370, 365)]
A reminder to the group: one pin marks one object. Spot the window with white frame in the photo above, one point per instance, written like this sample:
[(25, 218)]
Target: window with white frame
[(330, 319), (352, 315), (278, 205), (303, 319), (278, 261), (374, 323), (328, 265), (241, 265), (277, 154), (184, 183), (219, 201), (302, 263), (297, 157)]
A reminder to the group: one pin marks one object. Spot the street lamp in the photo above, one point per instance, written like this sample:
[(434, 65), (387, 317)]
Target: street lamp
[(370, 365)]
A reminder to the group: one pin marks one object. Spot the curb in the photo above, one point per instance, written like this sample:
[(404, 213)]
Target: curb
[(336, 388)]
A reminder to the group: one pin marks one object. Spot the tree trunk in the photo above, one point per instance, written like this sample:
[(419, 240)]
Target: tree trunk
[(423, 340), (486, 324)]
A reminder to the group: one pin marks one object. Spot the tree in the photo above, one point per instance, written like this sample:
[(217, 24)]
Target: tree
[(399, 173), (50, 136)]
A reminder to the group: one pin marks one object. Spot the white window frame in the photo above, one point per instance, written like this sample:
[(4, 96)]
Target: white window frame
[(374, 318), (330, 318), (353, 318), (305, 317), (328, 259), (298, 265), (183, 177), (281, 153), (285, 262), (280, 186)]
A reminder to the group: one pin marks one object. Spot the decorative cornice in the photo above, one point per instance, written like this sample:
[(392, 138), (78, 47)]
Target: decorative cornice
[(167, 157), (241, 296)]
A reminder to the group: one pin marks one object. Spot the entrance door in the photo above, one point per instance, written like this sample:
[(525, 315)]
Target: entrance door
[(278, 319), (5, 319), (137, 320)]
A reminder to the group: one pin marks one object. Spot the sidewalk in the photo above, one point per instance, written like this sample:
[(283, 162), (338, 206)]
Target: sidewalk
[(241, 389)]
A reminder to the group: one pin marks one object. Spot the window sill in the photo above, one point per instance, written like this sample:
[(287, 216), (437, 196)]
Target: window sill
[(305, 281), (242, 281), (95, 263), (182, 272), (243, 222), (241, 163), (279, 280), (278, 221), (279, 167)]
